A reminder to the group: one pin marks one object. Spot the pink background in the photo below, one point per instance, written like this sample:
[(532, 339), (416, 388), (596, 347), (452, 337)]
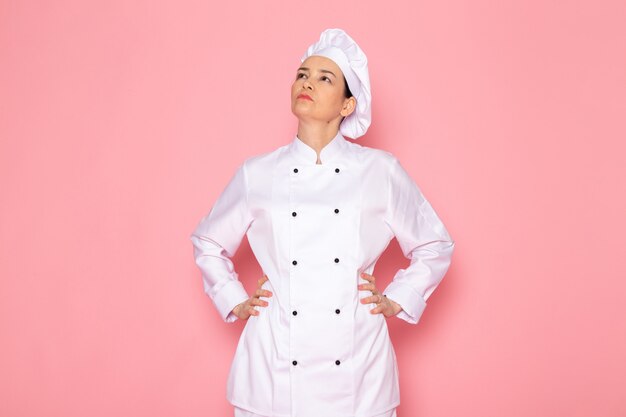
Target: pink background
[(120, 123)]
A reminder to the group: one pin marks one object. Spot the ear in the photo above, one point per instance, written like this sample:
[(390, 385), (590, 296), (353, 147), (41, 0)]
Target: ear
[(349, 105)]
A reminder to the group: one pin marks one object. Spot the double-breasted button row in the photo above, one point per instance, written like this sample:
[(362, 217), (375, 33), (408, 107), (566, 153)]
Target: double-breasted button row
[(337, 170), (294, 262), (295, 312), (294, 214), (337, 362)]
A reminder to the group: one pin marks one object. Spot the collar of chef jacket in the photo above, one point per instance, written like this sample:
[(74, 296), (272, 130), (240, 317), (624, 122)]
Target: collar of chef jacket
[(329, 153)]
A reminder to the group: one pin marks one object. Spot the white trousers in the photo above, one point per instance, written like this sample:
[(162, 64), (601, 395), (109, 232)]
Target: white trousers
[(240, 412)]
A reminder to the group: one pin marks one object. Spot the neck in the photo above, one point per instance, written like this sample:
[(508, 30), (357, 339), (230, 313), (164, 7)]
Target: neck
[(316, 135)]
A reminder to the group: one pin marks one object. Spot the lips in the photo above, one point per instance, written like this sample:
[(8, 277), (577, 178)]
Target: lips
[(304, 97)]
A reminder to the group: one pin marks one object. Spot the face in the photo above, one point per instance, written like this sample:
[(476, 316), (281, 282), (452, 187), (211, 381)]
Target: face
[(321, 79)]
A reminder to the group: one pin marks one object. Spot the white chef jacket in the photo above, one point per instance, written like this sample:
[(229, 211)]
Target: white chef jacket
[(316, 350)]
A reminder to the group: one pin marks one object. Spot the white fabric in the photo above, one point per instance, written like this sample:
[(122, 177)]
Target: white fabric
[(337, 45), (240, 412), (376, 200)]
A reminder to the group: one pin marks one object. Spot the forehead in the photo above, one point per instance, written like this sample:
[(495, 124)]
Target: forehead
[(316, 63)]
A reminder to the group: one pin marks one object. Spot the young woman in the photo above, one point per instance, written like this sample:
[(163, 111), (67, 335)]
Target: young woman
[(318, 213)]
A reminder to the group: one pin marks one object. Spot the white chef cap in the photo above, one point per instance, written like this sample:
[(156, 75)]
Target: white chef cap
[(344, 51)]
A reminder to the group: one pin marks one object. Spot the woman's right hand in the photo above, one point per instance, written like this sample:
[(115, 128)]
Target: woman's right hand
[(246, 309)]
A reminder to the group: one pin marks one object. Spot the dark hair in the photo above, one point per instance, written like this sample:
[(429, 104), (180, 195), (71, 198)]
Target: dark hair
[(348, 93)]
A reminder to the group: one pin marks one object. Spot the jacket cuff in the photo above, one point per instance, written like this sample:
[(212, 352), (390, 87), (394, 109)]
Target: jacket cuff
[(405, 316), (412, 303), (231, 294)]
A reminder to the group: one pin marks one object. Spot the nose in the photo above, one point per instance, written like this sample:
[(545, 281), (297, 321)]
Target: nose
[(306, 84)]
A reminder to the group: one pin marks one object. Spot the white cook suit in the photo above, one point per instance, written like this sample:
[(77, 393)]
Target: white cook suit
[(316, 350)]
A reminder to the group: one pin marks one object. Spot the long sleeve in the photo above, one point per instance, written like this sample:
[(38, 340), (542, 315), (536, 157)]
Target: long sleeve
[(217, 238), (423, 239)]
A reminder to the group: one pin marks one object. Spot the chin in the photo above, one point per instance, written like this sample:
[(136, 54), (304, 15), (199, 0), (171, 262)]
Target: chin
[(299, 112)]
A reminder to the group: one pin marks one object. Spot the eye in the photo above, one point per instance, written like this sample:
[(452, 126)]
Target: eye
[(300, 75), (326, 78)]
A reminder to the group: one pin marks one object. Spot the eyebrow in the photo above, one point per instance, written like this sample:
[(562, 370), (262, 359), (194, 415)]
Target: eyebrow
[(322, 70)]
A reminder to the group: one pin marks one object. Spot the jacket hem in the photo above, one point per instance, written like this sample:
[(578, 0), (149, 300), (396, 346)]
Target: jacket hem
[(264, 413), (393, 405), (255, 410)]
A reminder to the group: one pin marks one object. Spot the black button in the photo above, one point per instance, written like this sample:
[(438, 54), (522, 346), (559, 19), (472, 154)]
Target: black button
[(294, 214), (295, 313), (336, 210), (295, 362), (336, 260), (337, 362), (336, 169), (295, 170), (337, 311), (295, 262)]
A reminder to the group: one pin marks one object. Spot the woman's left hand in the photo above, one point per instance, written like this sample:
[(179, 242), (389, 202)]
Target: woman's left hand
[(385, 305)]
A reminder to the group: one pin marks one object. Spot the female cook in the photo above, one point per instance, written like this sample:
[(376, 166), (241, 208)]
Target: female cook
[(318, 213)]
